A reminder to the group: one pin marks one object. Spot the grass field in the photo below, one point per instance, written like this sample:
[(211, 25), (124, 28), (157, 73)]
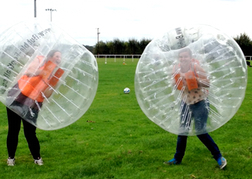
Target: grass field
[(114, 139)]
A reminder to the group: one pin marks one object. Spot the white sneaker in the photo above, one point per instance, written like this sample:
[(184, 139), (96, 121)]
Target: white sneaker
[(11, 161), (39, 161)]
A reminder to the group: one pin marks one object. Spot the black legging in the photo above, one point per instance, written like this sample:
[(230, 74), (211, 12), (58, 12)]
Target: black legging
[(14, 122)]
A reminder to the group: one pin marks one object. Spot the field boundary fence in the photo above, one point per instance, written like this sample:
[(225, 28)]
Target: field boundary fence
[(134, 56), (249, 60), (118, 56)]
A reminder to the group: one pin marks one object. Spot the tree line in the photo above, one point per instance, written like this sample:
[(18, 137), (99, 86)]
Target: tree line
[(133, 46)]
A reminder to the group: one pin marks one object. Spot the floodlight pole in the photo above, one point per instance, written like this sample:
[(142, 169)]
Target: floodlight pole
[(98, 33), (51, 10), (35, 11)]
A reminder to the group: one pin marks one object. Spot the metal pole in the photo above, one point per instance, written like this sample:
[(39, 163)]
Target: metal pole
[(35, 13), (98, 41)]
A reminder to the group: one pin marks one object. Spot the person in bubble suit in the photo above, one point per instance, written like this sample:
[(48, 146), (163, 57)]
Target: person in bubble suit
[(26, 98), (194, 104)]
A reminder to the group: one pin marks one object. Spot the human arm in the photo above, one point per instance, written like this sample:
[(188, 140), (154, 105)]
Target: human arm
[(48, 92), (202, 76), (33, 68), (53, 82)]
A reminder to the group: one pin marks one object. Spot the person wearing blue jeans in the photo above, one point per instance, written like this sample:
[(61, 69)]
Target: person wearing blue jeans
[(194, 105), (199, 112)]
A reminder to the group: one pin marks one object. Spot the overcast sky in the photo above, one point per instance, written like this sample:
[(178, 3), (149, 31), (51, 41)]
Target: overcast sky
[(127, 19)]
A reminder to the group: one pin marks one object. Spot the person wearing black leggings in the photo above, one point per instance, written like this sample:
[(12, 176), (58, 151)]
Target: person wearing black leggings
[(14, 123), (26, 98)]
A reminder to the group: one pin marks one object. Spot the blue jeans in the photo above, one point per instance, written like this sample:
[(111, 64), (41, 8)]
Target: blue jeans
[(199, 111)]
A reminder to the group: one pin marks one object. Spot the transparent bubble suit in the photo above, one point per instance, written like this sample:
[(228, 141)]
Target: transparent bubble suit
[(75, 89), (224, 65)]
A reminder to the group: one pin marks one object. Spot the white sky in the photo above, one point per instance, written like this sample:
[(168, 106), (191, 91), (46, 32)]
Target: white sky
[(126, 19)]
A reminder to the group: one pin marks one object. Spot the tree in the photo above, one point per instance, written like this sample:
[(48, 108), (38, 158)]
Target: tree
[(133, 47), (101, 48), (245, 43), (143, 43), (119, 46), (90, 48)]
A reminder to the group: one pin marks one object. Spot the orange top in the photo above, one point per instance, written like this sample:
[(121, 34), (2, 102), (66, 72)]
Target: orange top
[(190, 77), (33, 87)]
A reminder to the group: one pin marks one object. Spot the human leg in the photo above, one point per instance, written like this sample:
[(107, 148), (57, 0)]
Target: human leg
[(185, 123), (14, 123), (180, 151), (181, 147), (32, 140), (185, 118), (207, 140), (200, 112)]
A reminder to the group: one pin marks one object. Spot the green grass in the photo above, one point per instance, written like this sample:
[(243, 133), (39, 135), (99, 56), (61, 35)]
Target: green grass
[(114, 139)]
